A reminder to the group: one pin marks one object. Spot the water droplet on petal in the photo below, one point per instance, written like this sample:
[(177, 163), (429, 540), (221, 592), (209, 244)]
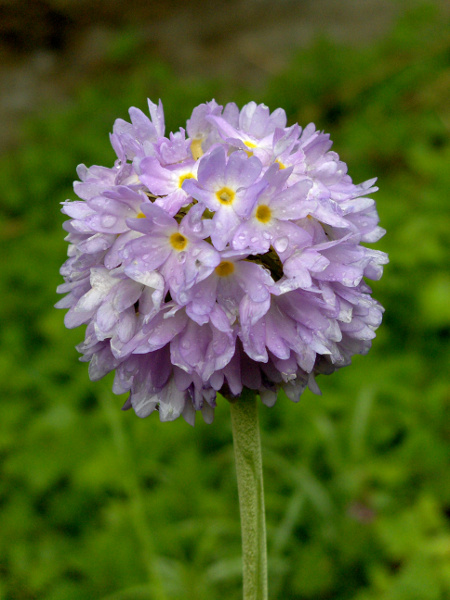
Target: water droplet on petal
[(281, 244), (108, 221), (253, 240), (186, 344), (181, 257)]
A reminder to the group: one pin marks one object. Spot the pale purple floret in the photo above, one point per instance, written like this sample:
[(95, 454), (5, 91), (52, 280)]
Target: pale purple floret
[(165, 182), (175, 251), (254, 122), (202, 133), (272, 220), (174, 149), (252, 129), (137, 139), (226, 187), (230, 258), (109, 211), (237, 291)]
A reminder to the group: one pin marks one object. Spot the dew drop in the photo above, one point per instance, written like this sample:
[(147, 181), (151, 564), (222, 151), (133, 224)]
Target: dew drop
[(253, 240), (281, 244), (195, 252), (266, 235), (181, 257), (109, 221), (186, 344)]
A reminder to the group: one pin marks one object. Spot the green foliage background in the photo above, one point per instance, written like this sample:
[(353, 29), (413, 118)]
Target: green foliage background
[(96, 503)]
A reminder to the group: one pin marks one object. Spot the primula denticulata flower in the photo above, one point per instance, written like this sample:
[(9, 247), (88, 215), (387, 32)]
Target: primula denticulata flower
[(229, 254)]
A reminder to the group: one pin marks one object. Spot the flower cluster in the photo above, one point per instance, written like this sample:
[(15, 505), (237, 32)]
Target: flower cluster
[(225, 255)]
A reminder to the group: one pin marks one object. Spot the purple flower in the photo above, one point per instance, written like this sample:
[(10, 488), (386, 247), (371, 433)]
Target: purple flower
[(166, 182), (230, 258), (238, 290), (225, 187), (138, 137), (173, 250), (252, 129), (202, 133), (272, 220)]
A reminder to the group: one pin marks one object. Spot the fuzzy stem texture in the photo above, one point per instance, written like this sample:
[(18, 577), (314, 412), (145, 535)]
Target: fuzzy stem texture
[(247, 451)]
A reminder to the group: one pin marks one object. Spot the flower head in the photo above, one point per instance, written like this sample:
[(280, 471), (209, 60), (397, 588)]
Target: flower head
[(228, 258)]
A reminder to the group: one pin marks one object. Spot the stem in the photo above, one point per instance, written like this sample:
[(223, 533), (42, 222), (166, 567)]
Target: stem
[(247, 452)]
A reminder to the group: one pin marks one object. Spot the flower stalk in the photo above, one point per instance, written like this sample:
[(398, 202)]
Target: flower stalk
[(247, 451)]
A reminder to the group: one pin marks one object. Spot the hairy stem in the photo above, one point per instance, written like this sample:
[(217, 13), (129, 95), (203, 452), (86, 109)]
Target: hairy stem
[(247, 451)]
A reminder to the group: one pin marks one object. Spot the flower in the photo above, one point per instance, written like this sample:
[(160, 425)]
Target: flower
[(228, 257)]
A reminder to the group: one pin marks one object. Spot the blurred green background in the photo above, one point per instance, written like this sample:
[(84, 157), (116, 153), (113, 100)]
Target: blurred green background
[(96, 503)]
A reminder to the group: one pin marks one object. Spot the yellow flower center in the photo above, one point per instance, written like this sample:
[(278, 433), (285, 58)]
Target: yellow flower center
[(263, 213), (178, 241), (249, 145), (224, 269), (196, 149), (225, 195), (183, 178), (280, 164), (140, 215)]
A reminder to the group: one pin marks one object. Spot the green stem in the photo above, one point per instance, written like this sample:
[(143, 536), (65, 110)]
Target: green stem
[(247, 452)]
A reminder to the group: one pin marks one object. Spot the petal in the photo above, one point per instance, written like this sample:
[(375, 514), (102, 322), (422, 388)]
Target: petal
[(254, 280), (126, 294), (145, 254), (211, 169), (225, 222), (159, 181), (157, 116), (289, 203), (241, 170)]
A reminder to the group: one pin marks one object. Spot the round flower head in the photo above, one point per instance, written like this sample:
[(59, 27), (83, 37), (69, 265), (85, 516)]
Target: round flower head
[(225, 255)]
